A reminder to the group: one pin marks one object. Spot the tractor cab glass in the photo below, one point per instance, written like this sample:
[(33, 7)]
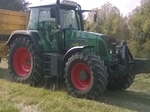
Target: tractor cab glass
[(68, 19), (45, 20), (40, 19), (33, 20), (69, 16)]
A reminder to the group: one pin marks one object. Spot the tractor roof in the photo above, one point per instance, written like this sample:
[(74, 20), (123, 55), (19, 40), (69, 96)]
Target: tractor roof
[(43, 4), (50, 4)]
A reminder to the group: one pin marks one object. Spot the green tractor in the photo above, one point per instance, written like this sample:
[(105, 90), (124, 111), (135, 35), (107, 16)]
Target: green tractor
[(56, 45)]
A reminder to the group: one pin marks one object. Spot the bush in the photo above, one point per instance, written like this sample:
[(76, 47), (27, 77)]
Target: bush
[(139, 50)]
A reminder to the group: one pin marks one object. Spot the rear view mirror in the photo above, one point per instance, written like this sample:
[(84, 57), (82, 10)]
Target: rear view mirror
[(95, 17), (53, 12)]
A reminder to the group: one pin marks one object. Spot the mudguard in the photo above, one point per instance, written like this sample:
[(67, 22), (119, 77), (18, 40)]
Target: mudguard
[(26, 33), (69, 53)]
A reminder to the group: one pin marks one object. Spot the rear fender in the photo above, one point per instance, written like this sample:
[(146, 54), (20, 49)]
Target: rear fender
[(23, 33), (69, 53)]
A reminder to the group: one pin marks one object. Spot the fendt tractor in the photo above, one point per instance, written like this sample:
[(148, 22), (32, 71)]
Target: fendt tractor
[(56, 45)]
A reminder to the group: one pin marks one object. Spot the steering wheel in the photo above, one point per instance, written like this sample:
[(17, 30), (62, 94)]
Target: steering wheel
[(44, 26), (69, 27)]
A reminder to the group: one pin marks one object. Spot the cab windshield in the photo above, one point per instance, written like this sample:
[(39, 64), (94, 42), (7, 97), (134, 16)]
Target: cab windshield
[(68, 19)]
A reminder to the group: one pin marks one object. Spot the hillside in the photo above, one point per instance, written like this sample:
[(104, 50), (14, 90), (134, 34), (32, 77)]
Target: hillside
[(23, 98)]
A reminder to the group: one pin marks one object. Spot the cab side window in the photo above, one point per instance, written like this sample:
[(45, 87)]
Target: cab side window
[(47, 25), (33, 20), (45, 20)]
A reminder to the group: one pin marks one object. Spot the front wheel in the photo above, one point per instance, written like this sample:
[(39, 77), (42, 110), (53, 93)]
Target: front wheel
[(24, 62), (85, 75), (121, 83)]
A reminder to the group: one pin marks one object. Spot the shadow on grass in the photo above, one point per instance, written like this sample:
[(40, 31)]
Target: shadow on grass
[(131, 100), (4, 74)]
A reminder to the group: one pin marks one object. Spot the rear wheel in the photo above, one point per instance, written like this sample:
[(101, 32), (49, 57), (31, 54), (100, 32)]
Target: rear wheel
[(120, 83), (24, 62), (85, 75)]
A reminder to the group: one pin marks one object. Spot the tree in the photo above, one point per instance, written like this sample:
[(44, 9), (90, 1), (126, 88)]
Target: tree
[(109, 22), (139, 24), (139, 21), (16, 5)]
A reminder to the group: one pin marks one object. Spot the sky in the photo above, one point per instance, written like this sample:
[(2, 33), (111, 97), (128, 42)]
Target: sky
[(125, 6)]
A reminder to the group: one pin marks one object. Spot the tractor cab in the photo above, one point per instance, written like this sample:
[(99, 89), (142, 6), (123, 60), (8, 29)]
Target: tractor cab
[(48, 16), (49, 19)]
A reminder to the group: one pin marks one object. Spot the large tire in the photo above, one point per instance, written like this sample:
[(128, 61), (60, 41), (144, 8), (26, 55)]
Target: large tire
[(24, 62), (93, 80), (121, 83)]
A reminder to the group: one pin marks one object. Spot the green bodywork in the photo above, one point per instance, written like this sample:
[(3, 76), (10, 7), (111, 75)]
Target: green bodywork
[(74, 38), (42, 22), (81, 38)]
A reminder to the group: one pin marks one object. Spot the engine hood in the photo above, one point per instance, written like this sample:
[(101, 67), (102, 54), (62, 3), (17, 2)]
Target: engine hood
[(79, 38)]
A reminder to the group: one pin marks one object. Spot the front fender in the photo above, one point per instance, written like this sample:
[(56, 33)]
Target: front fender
[(69, 53), (25, 33)]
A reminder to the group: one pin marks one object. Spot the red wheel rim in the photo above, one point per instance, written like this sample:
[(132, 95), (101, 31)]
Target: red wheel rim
[(22, 62), (76, 79)]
